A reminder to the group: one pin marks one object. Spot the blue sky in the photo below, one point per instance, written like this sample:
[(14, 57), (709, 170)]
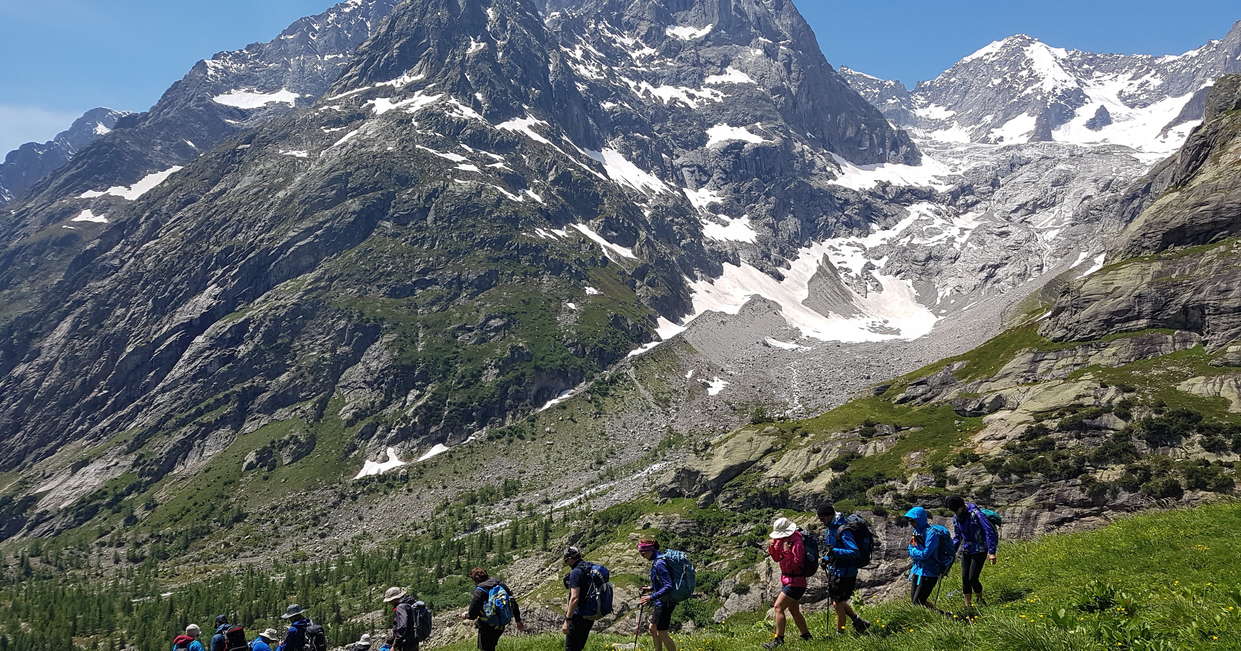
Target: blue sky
[(62, 57)]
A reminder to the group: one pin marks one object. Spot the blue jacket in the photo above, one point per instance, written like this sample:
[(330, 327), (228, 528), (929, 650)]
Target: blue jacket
[(661, 581), (219, 641), (842, 546), (295, 637), (933, 538), (974, 534), (194, 646), (259, 644)]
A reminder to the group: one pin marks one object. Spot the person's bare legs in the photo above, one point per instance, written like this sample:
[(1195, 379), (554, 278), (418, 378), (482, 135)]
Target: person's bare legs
[(798, 618), (779, 606)]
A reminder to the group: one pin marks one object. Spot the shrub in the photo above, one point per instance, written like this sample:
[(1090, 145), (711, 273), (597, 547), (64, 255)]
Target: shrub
[(1163, 488), (1204, 476)]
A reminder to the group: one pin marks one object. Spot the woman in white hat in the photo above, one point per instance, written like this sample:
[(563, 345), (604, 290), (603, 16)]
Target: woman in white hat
[(363, 643), (788, 550)]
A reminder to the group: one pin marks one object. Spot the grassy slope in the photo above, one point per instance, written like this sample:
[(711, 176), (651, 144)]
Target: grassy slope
[(1163, 580)]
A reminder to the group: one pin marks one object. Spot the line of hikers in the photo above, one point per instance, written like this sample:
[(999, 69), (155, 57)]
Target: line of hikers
[(847, 544)]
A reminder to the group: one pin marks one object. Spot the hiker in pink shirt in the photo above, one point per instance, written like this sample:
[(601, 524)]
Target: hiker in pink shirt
[(788, 550)]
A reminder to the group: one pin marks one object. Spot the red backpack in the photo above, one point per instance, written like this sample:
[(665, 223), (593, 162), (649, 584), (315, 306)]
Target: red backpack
[(181, 642)]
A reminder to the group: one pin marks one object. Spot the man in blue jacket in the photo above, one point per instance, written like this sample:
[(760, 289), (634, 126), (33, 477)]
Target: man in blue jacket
[(658, 592), (219, 641), (975, 536), (929, 546), (841, 559)]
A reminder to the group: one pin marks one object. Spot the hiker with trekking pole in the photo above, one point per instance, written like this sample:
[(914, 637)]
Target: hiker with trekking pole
[(932, 552), (848, 543), (672, 581), (975, 533)]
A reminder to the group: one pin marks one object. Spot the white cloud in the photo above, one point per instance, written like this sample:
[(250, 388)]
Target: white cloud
[(22, 124)]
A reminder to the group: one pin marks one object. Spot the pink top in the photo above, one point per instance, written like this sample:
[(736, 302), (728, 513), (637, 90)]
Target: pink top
[(789, 553)]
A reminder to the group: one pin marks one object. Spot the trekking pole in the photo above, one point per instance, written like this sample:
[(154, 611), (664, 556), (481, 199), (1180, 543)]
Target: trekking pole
[(638, 631)]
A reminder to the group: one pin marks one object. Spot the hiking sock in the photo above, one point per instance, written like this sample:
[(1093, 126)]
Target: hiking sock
[(775, 642)]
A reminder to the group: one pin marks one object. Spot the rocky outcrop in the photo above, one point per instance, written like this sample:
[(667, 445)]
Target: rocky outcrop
[(26, 165)]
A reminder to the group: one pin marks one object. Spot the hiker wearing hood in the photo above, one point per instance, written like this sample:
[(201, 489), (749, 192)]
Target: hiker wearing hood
[(932, 551), (788, 550), (976, 537), (489, 632), (188, 641), (219, 641)]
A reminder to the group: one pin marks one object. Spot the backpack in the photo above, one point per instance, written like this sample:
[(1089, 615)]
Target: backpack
[(181, 642), (498, 608), (946, 555), (419, 620), (597, 603), (684, 578), (994, 517), (810, 557), (316, 638), (235, 639), (863, 536)]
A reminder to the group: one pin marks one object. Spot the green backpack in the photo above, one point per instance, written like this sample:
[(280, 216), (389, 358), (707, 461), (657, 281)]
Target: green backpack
[(684, 578)]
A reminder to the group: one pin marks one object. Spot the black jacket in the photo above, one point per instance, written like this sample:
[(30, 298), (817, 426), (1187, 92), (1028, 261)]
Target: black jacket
[(479, 599)]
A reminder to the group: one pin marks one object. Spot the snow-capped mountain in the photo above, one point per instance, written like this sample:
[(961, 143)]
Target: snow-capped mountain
[(491, 204), (24, 166), (1020, 89), (217, 98)]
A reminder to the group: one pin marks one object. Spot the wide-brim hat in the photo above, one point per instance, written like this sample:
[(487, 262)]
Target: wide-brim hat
[(394, 593), (292, 611), (783, 528), (270, 634)]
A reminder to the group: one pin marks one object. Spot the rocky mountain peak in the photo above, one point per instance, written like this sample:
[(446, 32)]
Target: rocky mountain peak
[(23, 167)]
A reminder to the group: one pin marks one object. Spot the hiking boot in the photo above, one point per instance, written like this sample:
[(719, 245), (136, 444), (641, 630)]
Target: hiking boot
[(806, 637), (775, 642), (861, 626)]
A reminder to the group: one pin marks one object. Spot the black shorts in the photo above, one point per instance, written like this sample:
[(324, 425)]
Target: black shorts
[(794, 592), (662, 618), (840, 588)]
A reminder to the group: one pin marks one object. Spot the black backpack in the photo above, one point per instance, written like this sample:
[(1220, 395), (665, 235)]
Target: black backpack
[(316, 638), (419, 617), (235, 639), (810, 558), (863, 536)]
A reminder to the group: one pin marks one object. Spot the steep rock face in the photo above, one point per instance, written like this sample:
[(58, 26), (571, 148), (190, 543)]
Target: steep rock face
[(216, 99), (489, 206), (1020, 89), (1195, 289), (26, 165)]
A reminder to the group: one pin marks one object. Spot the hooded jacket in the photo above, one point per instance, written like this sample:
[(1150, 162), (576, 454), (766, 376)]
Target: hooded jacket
[(789, 554), (190, 643), (260, 644), (932, 538), (661, 581), (974, 533)]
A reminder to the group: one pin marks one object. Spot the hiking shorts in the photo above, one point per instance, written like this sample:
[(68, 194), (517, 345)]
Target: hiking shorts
[(794, 592), (840, 588), (579, 632), (662, 619)]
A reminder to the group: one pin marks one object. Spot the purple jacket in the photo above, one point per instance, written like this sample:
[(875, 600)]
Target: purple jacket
[(974, 533)]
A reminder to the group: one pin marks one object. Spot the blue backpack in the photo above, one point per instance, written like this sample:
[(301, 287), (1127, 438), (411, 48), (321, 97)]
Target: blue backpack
[(597, 603), (684, 577), (946, 554), (498, 608)]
